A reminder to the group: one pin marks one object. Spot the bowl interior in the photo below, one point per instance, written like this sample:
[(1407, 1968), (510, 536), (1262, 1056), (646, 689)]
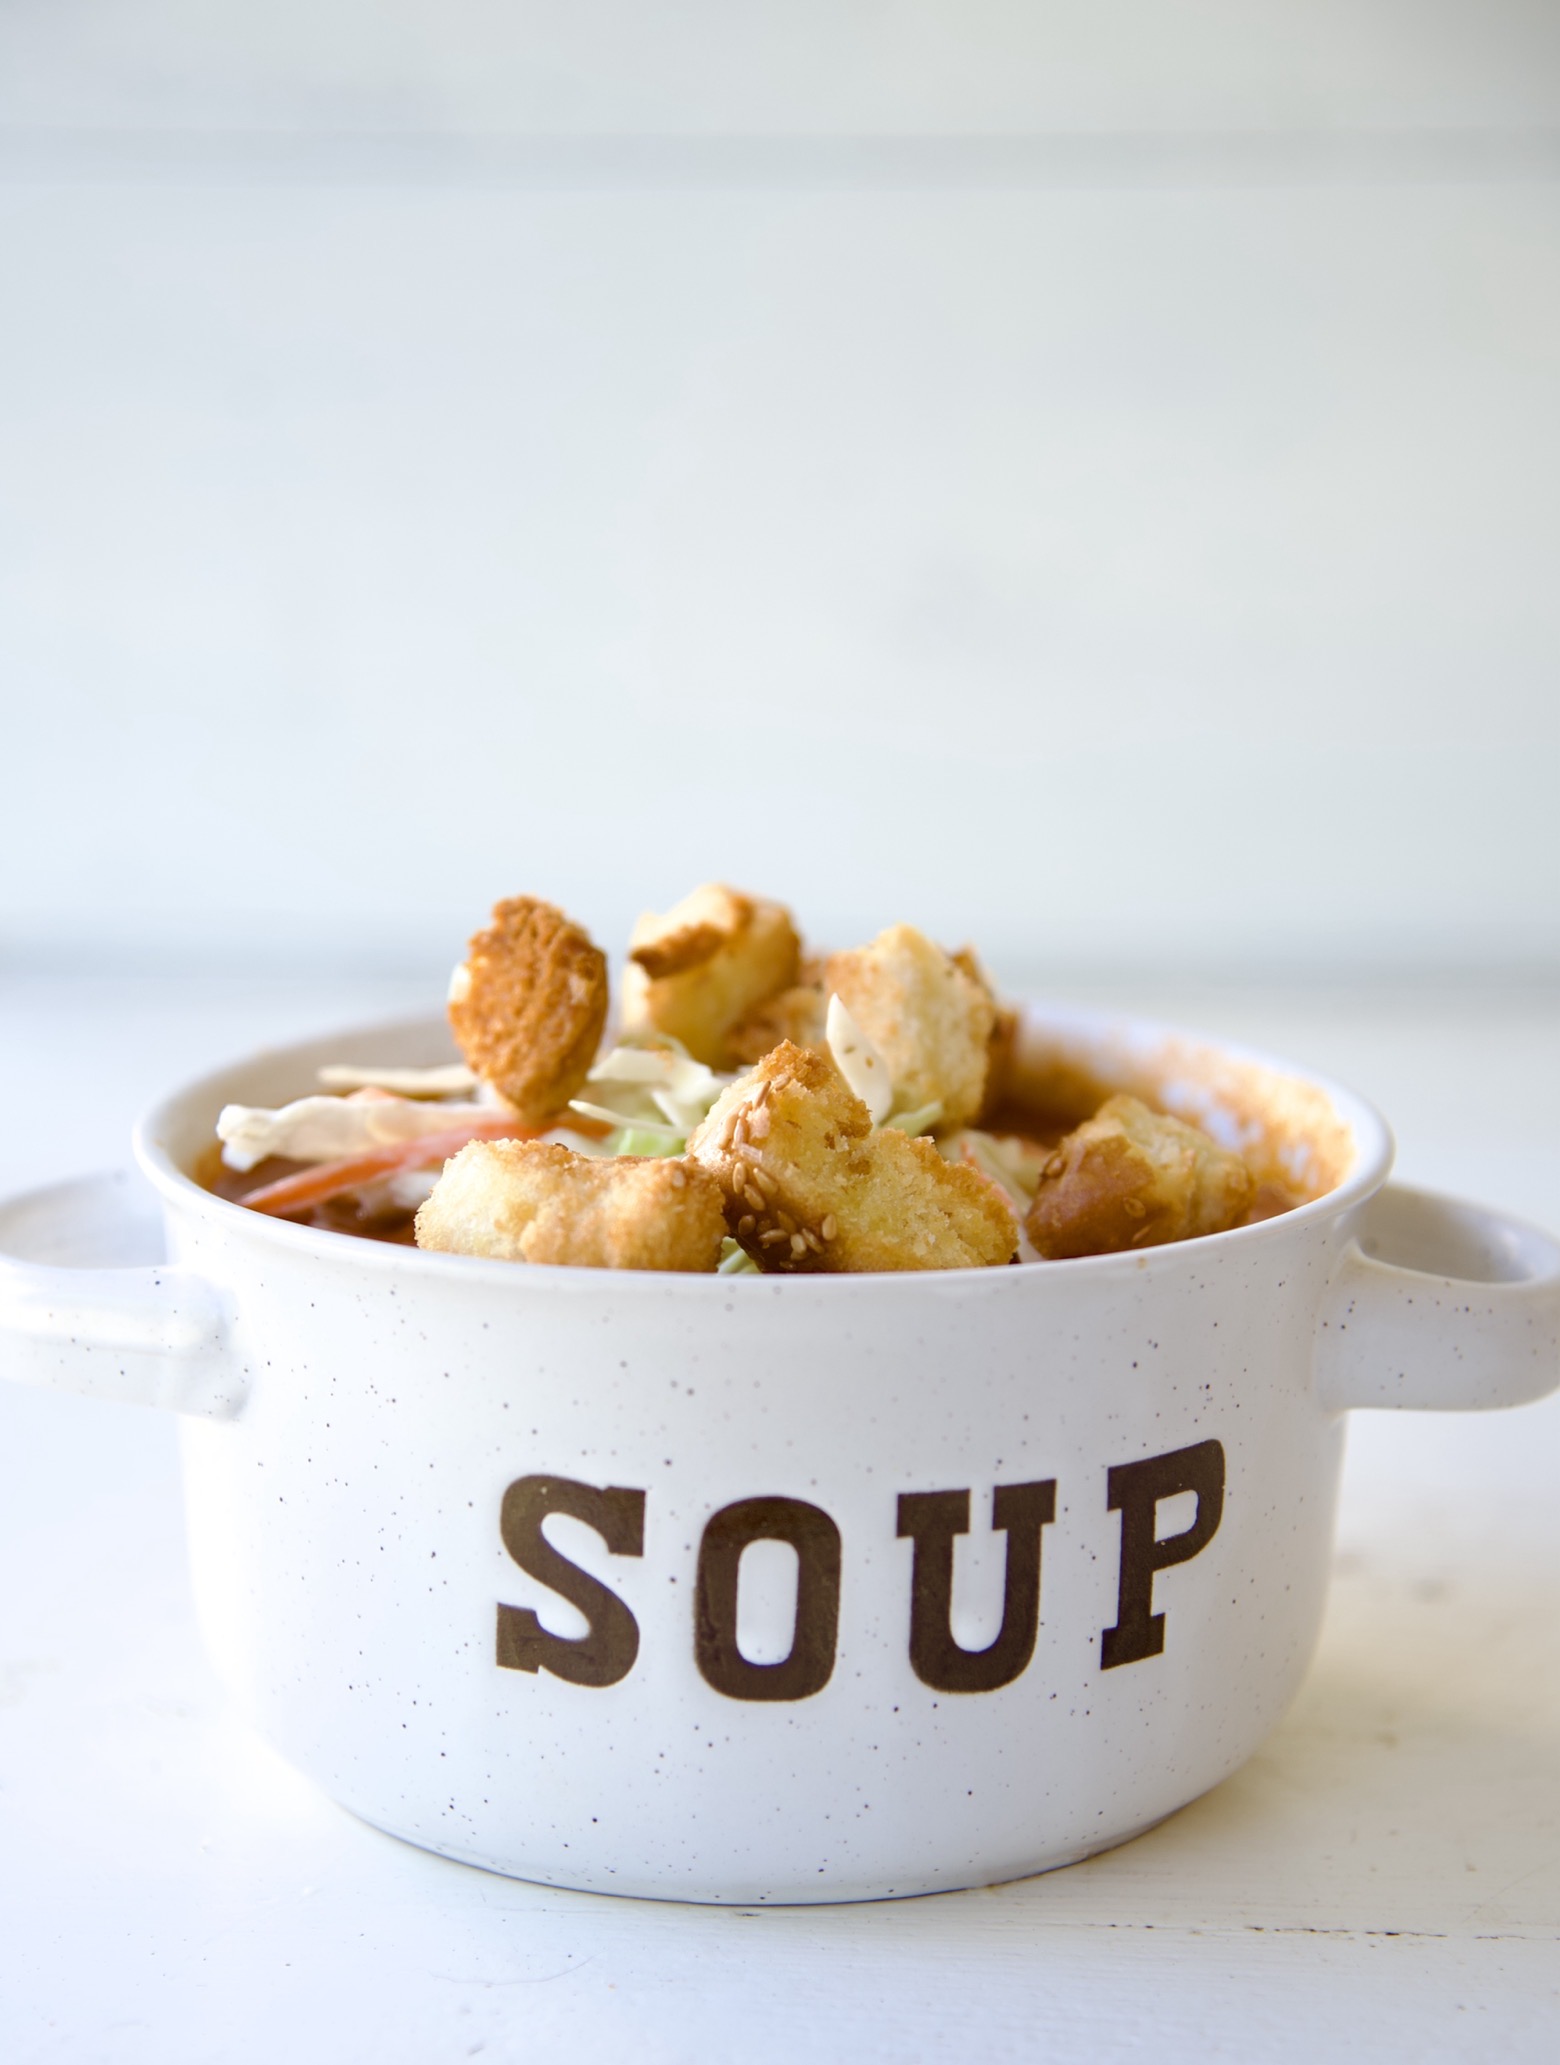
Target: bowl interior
[(1298, 1132), (1296, 1129)]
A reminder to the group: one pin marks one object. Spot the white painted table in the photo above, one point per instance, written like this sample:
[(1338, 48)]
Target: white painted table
[(1381, 1882)]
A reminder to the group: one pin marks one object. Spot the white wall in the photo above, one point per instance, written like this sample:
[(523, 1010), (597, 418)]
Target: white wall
[(835, 67), (1119, 547)]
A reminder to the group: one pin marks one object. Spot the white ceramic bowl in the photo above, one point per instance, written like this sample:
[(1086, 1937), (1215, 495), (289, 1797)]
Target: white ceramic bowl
[(852, 1586)]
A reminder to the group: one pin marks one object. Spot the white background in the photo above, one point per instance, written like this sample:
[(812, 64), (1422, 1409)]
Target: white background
[(1084, 478)]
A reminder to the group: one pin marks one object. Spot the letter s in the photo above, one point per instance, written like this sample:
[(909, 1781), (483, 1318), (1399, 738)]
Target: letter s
[(606, 1651)]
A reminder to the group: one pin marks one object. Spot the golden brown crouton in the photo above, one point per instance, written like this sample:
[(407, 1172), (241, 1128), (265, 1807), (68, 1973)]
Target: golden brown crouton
[(809, 1186), (795, 1014), (527, 1006), (703, 966), (1133, 1178), (534, 1201), (999, 1062), (1004, 1031), (930, 1020)]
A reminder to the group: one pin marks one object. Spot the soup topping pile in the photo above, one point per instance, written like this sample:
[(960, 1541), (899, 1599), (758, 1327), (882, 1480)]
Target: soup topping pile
[(755, 1110)]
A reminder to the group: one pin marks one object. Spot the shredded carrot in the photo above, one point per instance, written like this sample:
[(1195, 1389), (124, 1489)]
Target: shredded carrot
[(326, 1180)]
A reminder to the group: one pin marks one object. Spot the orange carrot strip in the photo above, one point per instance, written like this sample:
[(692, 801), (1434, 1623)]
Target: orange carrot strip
[(329, 1179)]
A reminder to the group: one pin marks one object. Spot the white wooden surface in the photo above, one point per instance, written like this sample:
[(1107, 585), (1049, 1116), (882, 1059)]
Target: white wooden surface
[(1382, 1882)]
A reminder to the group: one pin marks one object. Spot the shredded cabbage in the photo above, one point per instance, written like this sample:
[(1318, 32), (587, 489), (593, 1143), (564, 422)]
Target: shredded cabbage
[(1006, 1159), (449, 1079), (645, 1140), (858, 1061), (402, 1192), (921, 1120), (652, 1092), (327, 1129)]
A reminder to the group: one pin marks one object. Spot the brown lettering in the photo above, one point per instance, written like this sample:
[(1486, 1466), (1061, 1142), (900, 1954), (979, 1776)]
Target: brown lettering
[(933, 1519), (1135, 1489), (816, 1540), (605, 1653)]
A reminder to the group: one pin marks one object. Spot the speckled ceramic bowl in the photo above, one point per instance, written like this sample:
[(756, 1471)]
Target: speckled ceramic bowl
[(774, 1590)]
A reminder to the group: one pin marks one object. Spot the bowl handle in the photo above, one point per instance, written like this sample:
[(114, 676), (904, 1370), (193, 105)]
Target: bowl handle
[(74, 1318), (1439, 1304)]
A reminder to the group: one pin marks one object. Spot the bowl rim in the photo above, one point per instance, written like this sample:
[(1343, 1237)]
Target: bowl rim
[(1373, 1156)]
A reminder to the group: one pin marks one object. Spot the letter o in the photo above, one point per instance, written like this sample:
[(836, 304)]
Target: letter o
[(816, 1540)]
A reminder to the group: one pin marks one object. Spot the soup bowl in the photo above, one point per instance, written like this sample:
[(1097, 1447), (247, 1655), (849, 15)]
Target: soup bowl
[(777, 1589)]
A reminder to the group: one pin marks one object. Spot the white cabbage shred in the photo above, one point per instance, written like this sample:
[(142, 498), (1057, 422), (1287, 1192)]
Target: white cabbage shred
[(1014, 1165), (450, 1079), (654, 1093), (391, 1195), (858, 1061), (328, 1129), (921, 1120)]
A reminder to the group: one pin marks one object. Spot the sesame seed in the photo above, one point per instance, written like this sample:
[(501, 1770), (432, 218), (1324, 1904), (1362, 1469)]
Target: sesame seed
[(812, 1240), (739, 1134), (770, 1235), (798, 1245), (758, 1124), (678, 1180), (745, 1226), (785, 1221), (830, 1226), (765, 1182), (754, 1198)]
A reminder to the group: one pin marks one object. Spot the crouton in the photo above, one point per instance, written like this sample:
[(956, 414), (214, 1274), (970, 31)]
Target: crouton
[(809, 1186), (527, 1006), (931, 1021), (1004, 1032), (795, 1014), (1132, 1178), (697, 971), (533, 1201), (999, 1062)]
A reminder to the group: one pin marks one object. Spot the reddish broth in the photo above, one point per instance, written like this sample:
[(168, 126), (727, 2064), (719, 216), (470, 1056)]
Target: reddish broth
[(336, 1215)]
